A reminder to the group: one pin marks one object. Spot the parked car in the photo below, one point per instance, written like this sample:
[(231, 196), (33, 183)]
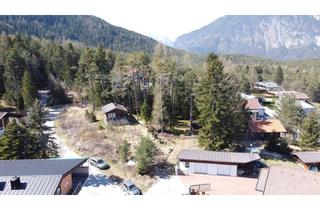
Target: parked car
[(130, 188), (314, 168), (260, 164), (99, 163)]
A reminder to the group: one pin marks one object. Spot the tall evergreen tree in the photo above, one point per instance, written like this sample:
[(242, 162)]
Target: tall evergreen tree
[(279, 76), (28, 90), (221, 110), (145, 155), (290, 114), (37, 116), (17, 143), (310, 133)]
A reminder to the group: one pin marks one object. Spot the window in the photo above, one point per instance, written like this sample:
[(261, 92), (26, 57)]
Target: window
[(186, 164)]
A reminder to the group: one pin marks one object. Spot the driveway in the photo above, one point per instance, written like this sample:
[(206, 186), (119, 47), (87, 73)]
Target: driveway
[(220, 185), (97, 183)]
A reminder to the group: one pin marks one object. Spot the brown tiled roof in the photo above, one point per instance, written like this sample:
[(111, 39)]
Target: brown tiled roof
[(222, 157), (112, 106), (266, 126), (296, 95), (283, 180), (253, 104), (308, 157)]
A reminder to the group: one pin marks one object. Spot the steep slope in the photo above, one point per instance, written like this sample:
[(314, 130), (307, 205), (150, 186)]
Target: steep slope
[(89, 30), (276, 37)]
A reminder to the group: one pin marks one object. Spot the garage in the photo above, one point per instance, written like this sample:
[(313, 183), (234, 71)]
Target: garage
[(213, 163)]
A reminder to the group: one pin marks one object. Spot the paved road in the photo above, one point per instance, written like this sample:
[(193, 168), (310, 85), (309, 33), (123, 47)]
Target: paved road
[(97, 183)]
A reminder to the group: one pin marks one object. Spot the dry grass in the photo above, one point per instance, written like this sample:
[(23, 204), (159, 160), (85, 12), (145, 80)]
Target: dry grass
[(103, 140)]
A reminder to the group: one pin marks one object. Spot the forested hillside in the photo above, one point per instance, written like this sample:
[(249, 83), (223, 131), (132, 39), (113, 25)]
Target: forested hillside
[(89, 30)]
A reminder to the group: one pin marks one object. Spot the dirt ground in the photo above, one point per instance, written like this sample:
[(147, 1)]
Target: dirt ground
[(100, 139)]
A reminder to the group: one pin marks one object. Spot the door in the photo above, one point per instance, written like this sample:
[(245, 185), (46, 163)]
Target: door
[(224, 170), (212, 169), (201, 168)]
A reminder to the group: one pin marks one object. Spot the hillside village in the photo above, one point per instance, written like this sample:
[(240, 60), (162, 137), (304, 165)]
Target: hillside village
[(79, 120)]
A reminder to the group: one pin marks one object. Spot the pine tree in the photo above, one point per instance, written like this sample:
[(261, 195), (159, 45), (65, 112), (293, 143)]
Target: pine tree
[(221, 110), (310, 133), (37, 117), (145, 155), (28, 91), (145, 111), (279, 76), (17, 143), (124, 151), (290, 114)]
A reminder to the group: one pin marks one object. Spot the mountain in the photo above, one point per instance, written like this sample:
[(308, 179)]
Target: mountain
[(276, 37), (88, 30), (162, 39)]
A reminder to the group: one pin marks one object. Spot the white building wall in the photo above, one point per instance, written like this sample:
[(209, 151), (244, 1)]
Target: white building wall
[(207, 168)]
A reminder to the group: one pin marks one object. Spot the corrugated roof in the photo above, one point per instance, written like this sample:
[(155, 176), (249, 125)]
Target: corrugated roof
[(283, 180), (111, 106), (2, 114), (33, 185), (263, 175), (38, 166), (308, 157), (266, 126), (223, 157)]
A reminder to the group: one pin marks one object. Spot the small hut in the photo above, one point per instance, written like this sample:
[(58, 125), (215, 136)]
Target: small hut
[(116, 114)]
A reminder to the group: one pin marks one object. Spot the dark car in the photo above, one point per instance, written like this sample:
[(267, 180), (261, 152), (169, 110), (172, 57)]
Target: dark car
[(130, 188), (99, 163)]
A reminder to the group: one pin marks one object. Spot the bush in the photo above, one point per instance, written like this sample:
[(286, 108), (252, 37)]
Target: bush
[(278, 145), (90, 116)]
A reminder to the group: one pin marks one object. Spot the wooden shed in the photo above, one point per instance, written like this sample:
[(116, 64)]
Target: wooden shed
[(116, 114)]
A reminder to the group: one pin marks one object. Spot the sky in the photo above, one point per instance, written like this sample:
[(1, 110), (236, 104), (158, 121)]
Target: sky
[(162, 18)]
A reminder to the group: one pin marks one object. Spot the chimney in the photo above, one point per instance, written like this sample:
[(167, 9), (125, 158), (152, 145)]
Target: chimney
[(15, 183)]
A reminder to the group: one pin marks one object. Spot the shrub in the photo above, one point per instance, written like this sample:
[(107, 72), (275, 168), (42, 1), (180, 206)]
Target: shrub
[(278, 145), (90, 116)]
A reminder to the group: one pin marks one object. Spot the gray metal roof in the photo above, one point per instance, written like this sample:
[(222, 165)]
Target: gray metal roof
[(111, 106), (268, 84), (38, 166), (38, 177), (308, 157), (34, 185), (223, 157), (283, 180)]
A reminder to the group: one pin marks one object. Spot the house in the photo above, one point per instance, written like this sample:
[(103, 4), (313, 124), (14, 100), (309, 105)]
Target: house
[(255, 109), (116, 114), (214, 163), (263, 129), (309, 160), (284, 180), (42, 176), (294, 94), (306, 107), (267, 86), (301, 100), (6, 117)]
